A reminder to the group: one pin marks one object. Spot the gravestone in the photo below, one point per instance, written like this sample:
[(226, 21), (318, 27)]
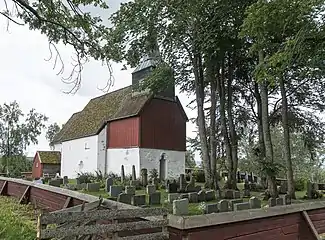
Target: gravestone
[(272, 202), (233, 202), (71, 187), (124, 198), (172, 196), (211, 208), (197, 188), (115, 190), (193, 197), (180, 207), (201, 196), (134, 176), (138, 200), (241, 206), (122, 175), (182, 182), (108, 184), (247, 193), (254, 203), (135, 183), (279, 201), (130, 190), (55, 182), (93, 187), (82, 186), (155, 198), (283, 187), (150, 189), (210, 195), (223, 206), (65, 180), (236, 194), (172, 187), (191, 186), (286, 199), (144, 177), (229, 194), (309, 189), (246, 185), (183, 195)]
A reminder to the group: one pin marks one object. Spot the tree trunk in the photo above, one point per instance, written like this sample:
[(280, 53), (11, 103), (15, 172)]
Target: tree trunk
[(286, 138), (213, 146), (199, 90), (266, 133)]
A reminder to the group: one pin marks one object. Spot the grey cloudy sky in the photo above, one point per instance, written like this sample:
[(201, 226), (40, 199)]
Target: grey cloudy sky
[(30, 80)]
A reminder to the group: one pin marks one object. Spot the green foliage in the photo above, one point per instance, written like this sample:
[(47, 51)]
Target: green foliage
[(52, 131), (198, 175), (16, 165), (189, 160), (153, 174), (85, 177), (300, 184)]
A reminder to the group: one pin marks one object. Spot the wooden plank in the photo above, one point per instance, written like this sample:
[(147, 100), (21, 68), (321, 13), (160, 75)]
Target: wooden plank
[(25, 196), (311, 225), (61, 217), (67, 202), (150, 236), (99, 229), (4, 186), (82, 207)]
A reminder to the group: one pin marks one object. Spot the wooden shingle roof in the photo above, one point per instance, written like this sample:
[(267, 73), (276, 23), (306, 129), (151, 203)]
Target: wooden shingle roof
[(49, 157), (100, 110)]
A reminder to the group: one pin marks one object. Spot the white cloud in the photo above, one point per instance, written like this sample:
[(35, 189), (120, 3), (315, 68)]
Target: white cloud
[(27, 78)]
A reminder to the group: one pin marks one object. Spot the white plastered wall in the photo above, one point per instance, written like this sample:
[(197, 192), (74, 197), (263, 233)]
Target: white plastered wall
[(101, 151)]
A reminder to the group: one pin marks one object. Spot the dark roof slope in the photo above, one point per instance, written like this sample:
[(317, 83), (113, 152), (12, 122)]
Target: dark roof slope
[(111, 106), (49, 157)]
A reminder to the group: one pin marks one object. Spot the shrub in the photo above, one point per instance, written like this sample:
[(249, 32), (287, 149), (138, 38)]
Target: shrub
[(300, 184), (199, 175), (85, 177), (153, 174)]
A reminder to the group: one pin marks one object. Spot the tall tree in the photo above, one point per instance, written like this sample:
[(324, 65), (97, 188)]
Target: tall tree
[(52, 131)]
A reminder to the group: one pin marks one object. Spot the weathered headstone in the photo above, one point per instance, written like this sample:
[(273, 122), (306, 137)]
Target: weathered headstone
[(233, 202), (93, 187), (124, 198), (55, 182), (144, 177), (272, 202), (193, 197), (182, 182), (115, 190), (172, 187), (180, 207), (183, 195), (155, 198), (287, 199), (197, 188), (309, 189), (134, 176), (122, 174), (229, 194), (172, 196), (138, 200), (241, 206), (135, 183), (211, 208), (236, 194), (283, 187), (108, 184), (254, 203), (201, 196), (279, 201), (130, 190), (150, 189), (82, 186), (210, 195), (71, 187), (65, 180), (223, 206), (246, 185), (247, 193)]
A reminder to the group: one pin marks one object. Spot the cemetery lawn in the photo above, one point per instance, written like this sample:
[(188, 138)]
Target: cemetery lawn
[(16, 221)]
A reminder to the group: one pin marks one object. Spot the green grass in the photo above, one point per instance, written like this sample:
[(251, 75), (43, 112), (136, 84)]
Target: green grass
[(16, 221)]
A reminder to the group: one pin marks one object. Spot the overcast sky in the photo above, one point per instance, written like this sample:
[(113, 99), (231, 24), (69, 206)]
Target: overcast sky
[(30, 80)]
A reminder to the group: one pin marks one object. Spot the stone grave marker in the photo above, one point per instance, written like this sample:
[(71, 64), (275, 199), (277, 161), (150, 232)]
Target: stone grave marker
[(93, 187), (122, 174), (182, 182), (144, 177), (223, 206), (183, 195), (283, 187), (115, 190), (210, 195), (135, 183), (155, 198), (241, 206), (130, 190), (236, 194), (247, 193), (150, 189), (286, 199), (233, 202), (197, 189), (272, 202), (134, 176), (172, 196), (138, 200), (279, 201), (108, 184), (124, 198), (193, 197), (172, 187), (72, 187), (65, 180), (211, 208), (254, 203), (201, 196), (55, 182), (180, 207), (229, 194)]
